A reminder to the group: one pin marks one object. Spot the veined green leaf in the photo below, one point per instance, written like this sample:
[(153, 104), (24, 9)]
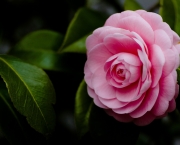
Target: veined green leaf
[(31, 92), (167, 12), (50, 60), (131, 5), (10, 123), (83, 104), (41, 39), (84, 22)]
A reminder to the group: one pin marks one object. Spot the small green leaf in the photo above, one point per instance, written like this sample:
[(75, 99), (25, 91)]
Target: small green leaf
[(83, 104), (50, 60), (31, 92), (10, 123), (41, 39), (177, 15), (77, 47), (167, 12), (131, 5), (84, 22), (107, 131)]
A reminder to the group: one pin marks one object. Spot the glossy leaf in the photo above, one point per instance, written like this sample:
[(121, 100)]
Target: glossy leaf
[(49, 60), (167, 12), (31, 92), (10, 123), (177, 15), (131, 5), (77, 47), (107, 131), (83, 104), (41, 39), (84, 22)]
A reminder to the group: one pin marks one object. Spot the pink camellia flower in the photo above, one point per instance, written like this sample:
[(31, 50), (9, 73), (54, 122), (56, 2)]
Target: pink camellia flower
[(131, 67)]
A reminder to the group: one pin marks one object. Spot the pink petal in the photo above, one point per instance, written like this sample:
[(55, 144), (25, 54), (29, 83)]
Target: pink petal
[(152, 18), (100, 33), (135, 73), (131, 106), (172, 105), (113, 20), (136, 24), (112, 103), (95, 98), (117, 43), (145, 119), (169, 63), (88, 75), (177, 54), (129, 93), (146, 66), (157, 61), (101, 86), (164, 26), (105, 91), (167, 88), (162, 39), (97, 57), (147, 104), (145, 85), (160, 106), (119, 117), (176, 38)]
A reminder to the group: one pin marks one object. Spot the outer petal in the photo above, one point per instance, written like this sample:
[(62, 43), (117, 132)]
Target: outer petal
[(170, 63), (119, 117), (164, 26), (117, 43), (147, 104), (129, 93), (136, 24), (162, 39), (152, 18), (97, 57), (131, 106), (157, 60), (172, 105), (112, 103), (113, 20), (88, 75), (100, 33), (145, 119), (100, 85), (95, 98), (167, 87)]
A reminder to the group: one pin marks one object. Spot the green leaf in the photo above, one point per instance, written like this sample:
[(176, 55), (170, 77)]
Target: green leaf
[(41, 39), (83, 104), (177, 15), (31, 92), (178, 75), (10, 123), (167, 11), (84, 22), (107, 131), (50, 60), (131, 5), (77, 47)]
